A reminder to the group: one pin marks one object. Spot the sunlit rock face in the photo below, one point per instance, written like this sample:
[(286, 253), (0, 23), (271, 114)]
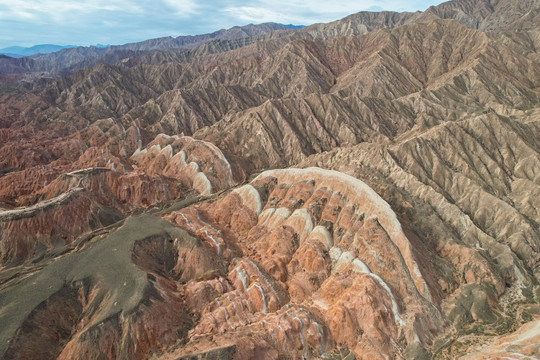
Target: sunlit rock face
[(195, 163), (26, 233), (122, 238), (316, 261), (104, 188)]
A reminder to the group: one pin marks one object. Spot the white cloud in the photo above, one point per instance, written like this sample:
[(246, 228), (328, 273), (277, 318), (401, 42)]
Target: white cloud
[(183, 7), (59, 10), (343, 6), (250, 14), (296, 11), (318, 6), (84, 22)]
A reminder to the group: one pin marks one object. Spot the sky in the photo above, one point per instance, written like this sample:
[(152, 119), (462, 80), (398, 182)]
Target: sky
[(90, 22)]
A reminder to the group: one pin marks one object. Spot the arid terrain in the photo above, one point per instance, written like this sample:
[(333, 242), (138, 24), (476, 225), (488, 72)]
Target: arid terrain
[(367, 188)]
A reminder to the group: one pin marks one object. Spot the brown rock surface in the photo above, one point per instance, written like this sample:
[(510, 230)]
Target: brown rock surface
[(435, 112), (102, 190), (119, 296), (307, 271)]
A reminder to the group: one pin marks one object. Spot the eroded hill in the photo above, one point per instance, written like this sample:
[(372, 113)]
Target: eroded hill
[(365, 188)]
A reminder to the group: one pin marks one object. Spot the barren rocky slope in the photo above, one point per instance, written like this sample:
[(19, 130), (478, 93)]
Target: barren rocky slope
[(140, 216)]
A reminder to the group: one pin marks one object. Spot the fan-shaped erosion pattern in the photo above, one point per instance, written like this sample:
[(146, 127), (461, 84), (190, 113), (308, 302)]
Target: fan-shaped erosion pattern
[(317, 261)]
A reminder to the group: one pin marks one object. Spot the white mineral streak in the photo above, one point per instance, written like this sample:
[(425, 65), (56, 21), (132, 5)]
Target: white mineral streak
[(218, 248), (122, 165), (155, 148), (217, 151), (265, 303), (250, 198), (241, 276), (358, 265), (193, 168), (238, 314), (139, 152), (335, 253), (395, 310), (124, 151), (369, 202), (139, 136), (343, 261), (243, 310), (168, 149), (181, 155), (202, 184), (226, 314), (212, 229), (318, 327), (394, 303), (103, 155), (87, 170), (273, 217), (301, 222), (178, 162), (300, 333), (283, 331), (164, 188), (221, 288), (186, 220), (262, 277), (242, 320), (376, 257), (347, 258), (321, 234)]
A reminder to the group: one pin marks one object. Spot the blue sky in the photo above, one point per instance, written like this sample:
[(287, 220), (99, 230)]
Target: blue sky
[(87, 22)]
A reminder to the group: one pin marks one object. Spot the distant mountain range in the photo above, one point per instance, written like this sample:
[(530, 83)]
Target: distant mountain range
[(67, 60), (20, 51), (291, 26)]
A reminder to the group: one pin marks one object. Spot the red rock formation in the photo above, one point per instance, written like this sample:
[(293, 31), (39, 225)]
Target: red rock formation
[(30, 232), (316, 260), (112, 186)]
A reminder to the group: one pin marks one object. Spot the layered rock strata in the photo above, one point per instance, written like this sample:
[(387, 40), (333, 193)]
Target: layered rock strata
[(316, 261)]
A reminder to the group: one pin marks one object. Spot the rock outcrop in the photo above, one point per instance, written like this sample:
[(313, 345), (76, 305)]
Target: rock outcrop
[(400, 218), (106, 188), (317, 260), (116, 298)]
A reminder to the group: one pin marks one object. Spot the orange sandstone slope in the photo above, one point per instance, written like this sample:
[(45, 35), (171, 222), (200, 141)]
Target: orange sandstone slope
[(366, 188)]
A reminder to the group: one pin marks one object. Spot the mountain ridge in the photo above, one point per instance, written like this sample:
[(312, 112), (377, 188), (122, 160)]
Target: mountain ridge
[(467, 12), (364, 188), (20, 51)]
